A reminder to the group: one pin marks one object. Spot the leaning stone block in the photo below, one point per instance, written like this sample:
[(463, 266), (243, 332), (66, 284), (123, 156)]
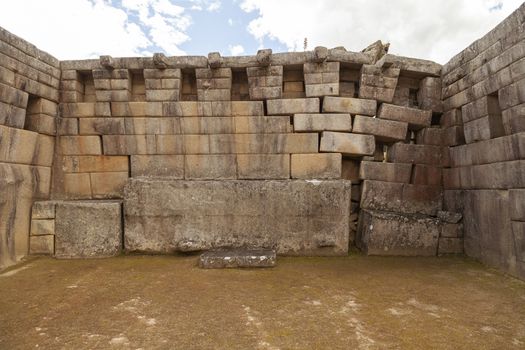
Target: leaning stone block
[(88, 229), (349, 105), (40, 227), (383, 233), (389, 172), (416, 118), (383, 130), (171, 166), (292, 106), (401, 198), (347, 143), (42, 245), (234, 258), (316, 166), (322, 122), (263, 166)]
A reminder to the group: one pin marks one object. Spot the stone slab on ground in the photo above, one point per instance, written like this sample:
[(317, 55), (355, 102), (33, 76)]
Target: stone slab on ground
[(231, 258), (295, 217), (386, 233), (88, 229)]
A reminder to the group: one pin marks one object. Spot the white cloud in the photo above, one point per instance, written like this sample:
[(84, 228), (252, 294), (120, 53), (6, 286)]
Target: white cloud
[(209, 5), (230, 22), (433, 30), (236, 50)]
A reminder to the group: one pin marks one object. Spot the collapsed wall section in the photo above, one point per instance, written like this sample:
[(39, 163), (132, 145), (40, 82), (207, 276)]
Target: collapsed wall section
[(29, 82), (484, 96)]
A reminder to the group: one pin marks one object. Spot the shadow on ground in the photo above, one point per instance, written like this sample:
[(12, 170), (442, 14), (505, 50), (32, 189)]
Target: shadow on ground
[(356, 302)]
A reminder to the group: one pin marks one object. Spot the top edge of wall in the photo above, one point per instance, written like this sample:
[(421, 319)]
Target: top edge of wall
[(28, 48)]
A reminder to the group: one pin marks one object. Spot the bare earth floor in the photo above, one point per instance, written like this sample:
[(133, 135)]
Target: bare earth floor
[(351, 302)]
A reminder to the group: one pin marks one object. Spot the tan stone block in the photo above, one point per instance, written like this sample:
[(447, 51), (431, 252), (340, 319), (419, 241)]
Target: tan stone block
[(17, 145), (101, 126), (263, 166), (129, 144), (13, 96), (389, 172), (417, 154), (322, 122), (319, 90), (41, 227), (383, 130), (44, 151), (85, 109), (43, 210), (108, 185), (191, 144), (293, 86), (171, 166), (12, 116), (265, 92), (292, 106), (80, 145), (43, 106), (349, 105), (381, 94), (480, 108), (451, 118), (207, 125), (449, 245), (67, 126), (210, 167), (41, 123), (430, 136), (347, 143), (42, 245), (247, 108), (77, 186), (261, 125), (514, 119), (162, 95), (87, 164), (214, 95), (416, 118), (427, 175), (484, 128), (169, 73), (316, 166), (136, 109)]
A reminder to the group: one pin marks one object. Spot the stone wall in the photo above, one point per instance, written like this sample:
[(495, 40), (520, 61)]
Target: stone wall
[(484, 95), (29, 81)]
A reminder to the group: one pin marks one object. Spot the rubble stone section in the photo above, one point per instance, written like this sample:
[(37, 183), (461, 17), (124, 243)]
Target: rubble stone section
[(294, 217), (235, 258)]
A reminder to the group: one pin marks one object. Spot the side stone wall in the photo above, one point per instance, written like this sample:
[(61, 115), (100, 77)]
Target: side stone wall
[(29, 82), (484, 95)]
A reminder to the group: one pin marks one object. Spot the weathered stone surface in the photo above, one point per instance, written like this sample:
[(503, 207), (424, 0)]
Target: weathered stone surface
[(263, 166), (89, 164), (322, 122), (390, 172), (40, 227), (383, 130), (88, 229), (450, 245), (292, 106), (349, 105), (383, 233), (108, 185), (350, 170), (423, 174), (417, 154), (450, 217), (430, 136), (316, 166), (232, 258), (42, 245), (416, 118), (517, 204), (293, 217), (347, 143), (483, 128), (401, 198), (513, 119), (210, 167), (158, 165), (429, 94), (502, 175), (43, 210)]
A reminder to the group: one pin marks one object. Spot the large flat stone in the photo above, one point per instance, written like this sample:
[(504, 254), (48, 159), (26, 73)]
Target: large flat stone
[(221, 259), (349, 105), (347, 143), (384, 233), (416, 118), (292, 216), (88, 229)]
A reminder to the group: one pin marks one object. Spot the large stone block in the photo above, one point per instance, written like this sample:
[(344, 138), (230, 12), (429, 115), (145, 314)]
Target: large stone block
[(401, 198), (43, 210), (513, 119), (42, 245), (263, 166), (293, 217), (416, 118), (322, 122), (88, 229), (158, 165), (382, 233), (292, 106), (417, 154), (383, 130), (316, 166), (89, 164), (108, 185), (483, 128), (210, 167), (80, 145), (349, 105), (517, 204), (41, 227), (389, 172), (347, 143)]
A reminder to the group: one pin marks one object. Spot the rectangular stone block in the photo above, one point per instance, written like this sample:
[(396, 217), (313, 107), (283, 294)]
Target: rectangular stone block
[(454, 136), (350, 170), (40, 227), (41, 123), (482, 107), (383, 130), (77, 186), (382, 94), (401, 198), (210, 167), (416, 118), (80, 145), (171, 166), (316, 166), (43, 210), (430, 136), (129, 144), (347, 143), (136, 109), (17, 145), (88, 164), (417, 154), (85, 109), (162, 95), (389, 172), (265, 92), (449, 245), (320, 90), (382, 233), (349, 105), (427, 175), (169, 73), (108, 185), (294, 217), (42, 245), (263, 166), (247, 108), (517, 204), (322, 122), (262, 125), (12, 96), (88, 229), (451, 118), (207, 125), (502, 175), (484, 128), (292, 106), (512, 94), (513, 119), (12, 116)]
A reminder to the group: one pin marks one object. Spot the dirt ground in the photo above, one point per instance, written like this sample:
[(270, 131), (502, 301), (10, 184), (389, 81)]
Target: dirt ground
[(166, 302)]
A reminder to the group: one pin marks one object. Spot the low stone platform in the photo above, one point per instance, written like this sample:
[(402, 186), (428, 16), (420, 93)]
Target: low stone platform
[(294, 217), (221, 259)]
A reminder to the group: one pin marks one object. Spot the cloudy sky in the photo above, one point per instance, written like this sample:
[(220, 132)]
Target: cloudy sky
[(76, 29)]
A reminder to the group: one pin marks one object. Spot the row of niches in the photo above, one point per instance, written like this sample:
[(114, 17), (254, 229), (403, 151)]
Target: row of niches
[(237, 85)]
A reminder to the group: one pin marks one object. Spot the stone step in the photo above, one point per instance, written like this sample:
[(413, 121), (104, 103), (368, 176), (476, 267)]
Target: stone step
[(231, 258)]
